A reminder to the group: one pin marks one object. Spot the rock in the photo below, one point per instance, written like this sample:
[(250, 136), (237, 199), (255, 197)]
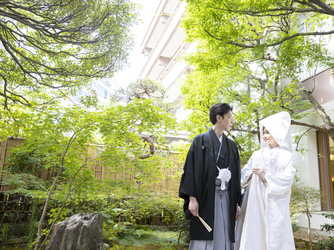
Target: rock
[(303, 235), (114, 242), (300, 244), (80, 232), (106, 246), (14, 241)]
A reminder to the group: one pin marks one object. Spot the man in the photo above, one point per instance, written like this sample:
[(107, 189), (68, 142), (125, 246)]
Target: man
[(206, 200)]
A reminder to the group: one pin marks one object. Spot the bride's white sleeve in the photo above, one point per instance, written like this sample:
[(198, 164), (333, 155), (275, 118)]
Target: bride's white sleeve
[(246, 171), (280, 183)]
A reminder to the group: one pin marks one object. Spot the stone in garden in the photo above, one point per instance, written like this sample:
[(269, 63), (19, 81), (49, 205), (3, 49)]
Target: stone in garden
[(300, 244), (80, 232), (15, 241)]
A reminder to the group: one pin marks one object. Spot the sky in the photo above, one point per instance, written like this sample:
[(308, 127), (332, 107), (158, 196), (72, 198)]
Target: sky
[(131, 73)]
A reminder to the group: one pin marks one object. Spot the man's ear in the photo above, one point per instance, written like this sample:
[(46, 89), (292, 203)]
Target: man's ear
[(218, 117)]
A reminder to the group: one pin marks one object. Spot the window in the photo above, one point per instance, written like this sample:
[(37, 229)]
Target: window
[(326, 169), (105, 94)]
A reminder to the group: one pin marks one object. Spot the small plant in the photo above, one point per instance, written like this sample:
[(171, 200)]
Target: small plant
[(31, 230), (295, 227), (6, 231), (328, 227), (327, 244), (304, 200), (140, 233)]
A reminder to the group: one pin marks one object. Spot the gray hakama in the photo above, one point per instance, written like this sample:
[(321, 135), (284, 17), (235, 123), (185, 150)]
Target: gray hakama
[(221, 237)]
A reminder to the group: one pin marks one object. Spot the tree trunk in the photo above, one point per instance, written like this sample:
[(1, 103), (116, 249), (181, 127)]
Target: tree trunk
[(309, 227), (39, 233)]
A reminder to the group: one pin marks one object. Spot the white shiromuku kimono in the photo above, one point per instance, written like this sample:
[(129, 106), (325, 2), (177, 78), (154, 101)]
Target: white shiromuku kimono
[(264, 223)]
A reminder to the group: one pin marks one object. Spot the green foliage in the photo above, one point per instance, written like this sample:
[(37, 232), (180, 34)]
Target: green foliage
[(326, 244), (6, 231), (141, 89), (58, 137), (246, 52), (304, 199), (152, 209), (30, 160), (52, 48), (123, 218), (158, 239), (328, 227), (31, 229), (118, 128), (24, 184)]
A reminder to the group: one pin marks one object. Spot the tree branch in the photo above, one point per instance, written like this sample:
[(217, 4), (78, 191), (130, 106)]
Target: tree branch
[(293, 122), (284, 11), (272, 44)]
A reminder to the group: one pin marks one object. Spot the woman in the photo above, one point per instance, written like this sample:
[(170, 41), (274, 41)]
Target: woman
[(264, 221)]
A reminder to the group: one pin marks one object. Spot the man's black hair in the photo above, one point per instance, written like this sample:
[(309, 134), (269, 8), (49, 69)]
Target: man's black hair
[(219, 109)]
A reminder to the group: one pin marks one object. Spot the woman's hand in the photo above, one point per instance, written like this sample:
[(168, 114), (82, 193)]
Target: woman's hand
[(193, 205), (260, 172)]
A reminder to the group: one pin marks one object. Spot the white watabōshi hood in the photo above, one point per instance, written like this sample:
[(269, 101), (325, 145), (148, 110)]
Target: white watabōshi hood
[(278, 126)]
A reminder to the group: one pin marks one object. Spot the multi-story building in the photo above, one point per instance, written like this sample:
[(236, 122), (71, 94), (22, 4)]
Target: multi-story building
[(102, 87), (162, 49)]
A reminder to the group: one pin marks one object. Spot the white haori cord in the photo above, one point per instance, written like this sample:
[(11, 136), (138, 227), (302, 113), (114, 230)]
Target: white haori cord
[(224, 175)]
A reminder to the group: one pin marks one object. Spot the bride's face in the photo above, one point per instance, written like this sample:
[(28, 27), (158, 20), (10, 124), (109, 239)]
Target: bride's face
[(268, 139)]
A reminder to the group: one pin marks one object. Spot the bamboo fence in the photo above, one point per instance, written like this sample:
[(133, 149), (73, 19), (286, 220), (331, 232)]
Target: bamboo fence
[(4, 153), (10, 205), (169, 183)]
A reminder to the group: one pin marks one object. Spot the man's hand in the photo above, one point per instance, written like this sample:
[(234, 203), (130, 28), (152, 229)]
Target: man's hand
[(260, 172), (237, 215), (193, 205)]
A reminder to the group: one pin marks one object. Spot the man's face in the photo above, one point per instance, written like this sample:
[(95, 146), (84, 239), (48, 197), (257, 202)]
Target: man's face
[(225, 123)]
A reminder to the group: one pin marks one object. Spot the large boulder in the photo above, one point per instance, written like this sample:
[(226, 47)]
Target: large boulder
[(80, 232)]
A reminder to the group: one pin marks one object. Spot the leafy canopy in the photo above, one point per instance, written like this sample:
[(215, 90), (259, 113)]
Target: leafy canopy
[(50, 48), (118, 128), (252, 54)]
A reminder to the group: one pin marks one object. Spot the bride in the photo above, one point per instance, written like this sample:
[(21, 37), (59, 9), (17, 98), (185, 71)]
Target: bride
[(264, 222)]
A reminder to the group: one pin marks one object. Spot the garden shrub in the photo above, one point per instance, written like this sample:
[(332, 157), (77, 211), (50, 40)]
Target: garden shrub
[(122, 217), (327, 244)]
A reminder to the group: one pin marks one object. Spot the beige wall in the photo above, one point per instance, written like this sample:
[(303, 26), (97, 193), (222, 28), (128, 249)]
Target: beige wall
[(323, 85)]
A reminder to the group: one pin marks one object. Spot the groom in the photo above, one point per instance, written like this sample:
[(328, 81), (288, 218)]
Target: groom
[(203, 194)]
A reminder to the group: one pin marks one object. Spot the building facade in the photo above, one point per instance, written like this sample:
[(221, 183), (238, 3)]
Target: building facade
[(315, 163), (102, 87), (162, 49)]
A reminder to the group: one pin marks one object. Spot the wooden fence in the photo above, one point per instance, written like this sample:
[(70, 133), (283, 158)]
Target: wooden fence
[(19, 208), (4, 153), (169, 183)]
